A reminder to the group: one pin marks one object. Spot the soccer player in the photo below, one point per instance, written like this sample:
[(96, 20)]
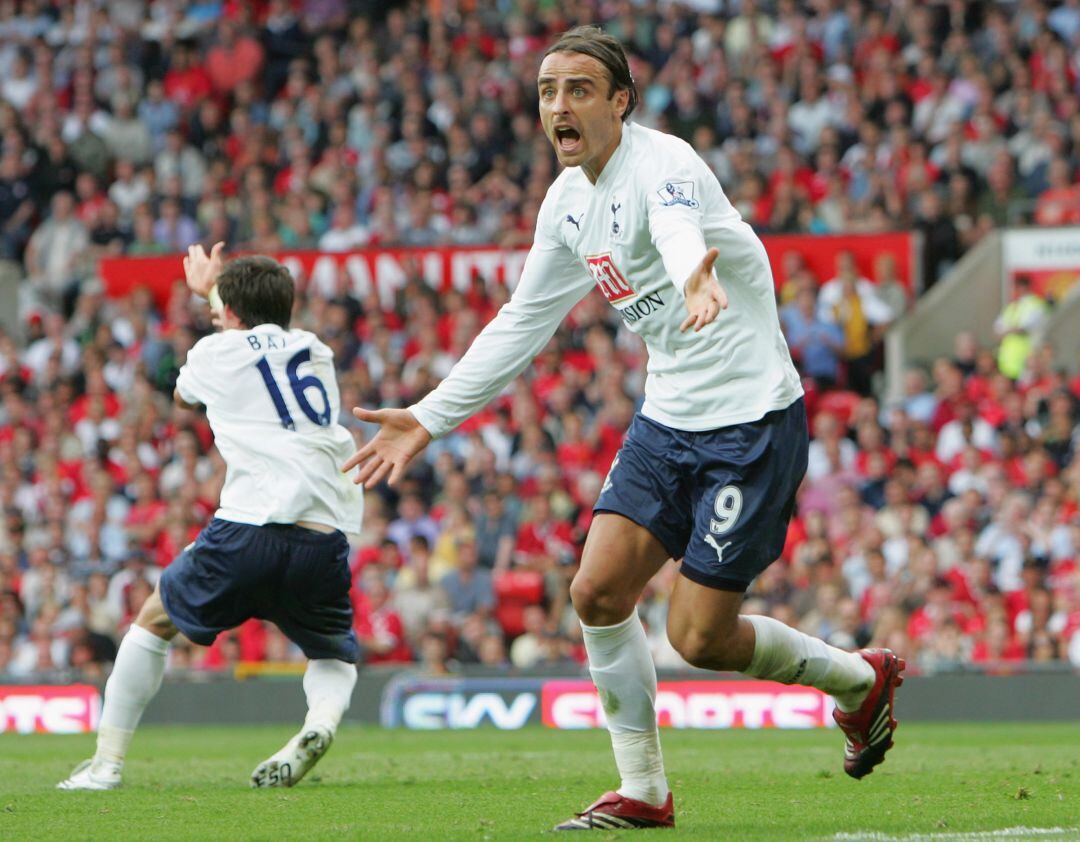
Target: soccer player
[(276, 547), (710, 466)]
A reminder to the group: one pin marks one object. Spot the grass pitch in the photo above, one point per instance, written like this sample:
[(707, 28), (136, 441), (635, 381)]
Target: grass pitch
[(940, 782)]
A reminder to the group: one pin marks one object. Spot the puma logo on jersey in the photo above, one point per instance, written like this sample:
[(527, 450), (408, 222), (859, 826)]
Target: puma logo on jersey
[(576, 222), (718, 547)]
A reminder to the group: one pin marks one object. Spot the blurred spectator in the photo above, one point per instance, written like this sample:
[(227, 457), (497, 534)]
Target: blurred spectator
[(1059, 203), (468, 588), (816, 344), (180, 159), (127, 136), (941, 243), (416, 597), (234, 59), (1021, 317), (966, 429), (496, 530), (413, 522), (378, 627), (919, 404), (53, 253), (345, 232), (888, 287), (860, 337), (174, 230)]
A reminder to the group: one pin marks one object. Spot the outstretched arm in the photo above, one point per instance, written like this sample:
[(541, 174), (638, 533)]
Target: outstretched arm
[(552, 282), (675, 225)]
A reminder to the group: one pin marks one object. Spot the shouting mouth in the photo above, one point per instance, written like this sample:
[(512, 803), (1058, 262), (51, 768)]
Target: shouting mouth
[(567, 139)]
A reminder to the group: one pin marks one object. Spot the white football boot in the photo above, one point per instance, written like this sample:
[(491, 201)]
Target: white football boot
[(288, 766), (92, 775)]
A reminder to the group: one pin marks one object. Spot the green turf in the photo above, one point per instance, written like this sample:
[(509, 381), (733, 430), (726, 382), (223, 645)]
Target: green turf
[(191, 783)]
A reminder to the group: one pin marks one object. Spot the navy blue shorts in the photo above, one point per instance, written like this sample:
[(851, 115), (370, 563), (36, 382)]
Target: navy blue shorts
[(720, 499), (294, 577)]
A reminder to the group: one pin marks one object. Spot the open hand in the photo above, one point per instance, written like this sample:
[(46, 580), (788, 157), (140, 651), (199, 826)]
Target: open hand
[(705, 298), (201, 269), (399, 439)]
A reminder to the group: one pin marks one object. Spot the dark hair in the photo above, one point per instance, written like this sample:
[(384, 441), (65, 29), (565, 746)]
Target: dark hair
[(258, 289), (593, 41)]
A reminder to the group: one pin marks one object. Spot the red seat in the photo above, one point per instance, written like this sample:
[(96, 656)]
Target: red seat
[(514, 590), (841, 404)]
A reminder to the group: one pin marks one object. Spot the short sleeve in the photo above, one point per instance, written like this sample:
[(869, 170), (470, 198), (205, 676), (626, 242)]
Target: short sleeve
[(196, 382)]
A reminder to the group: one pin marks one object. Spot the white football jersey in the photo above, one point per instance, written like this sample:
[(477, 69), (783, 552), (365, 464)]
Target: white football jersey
[(271, 397), (636, 235)]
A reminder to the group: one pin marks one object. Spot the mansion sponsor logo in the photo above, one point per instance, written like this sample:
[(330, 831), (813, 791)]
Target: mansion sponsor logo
[(640, 309), (697, 704), (46, 709)]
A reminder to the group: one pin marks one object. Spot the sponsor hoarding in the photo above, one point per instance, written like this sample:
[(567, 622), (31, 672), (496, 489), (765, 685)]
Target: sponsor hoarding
[(819, 253), (429, 704), (49, 709), (509, 703), (697, 704), (362, 272), (385, 271), (1050, 257)]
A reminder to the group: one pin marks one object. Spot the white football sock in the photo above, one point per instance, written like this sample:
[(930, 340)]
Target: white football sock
[(328, 684), (784, 654), (623, 671), (133, 682)]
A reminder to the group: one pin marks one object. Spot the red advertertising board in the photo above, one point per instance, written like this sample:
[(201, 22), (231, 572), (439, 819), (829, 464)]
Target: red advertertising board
[(386, 270), (49, 709), (819, 252), (697, 704)]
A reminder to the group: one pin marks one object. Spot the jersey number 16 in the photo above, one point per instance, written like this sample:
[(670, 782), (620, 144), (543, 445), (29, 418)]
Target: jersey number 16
[(299, 386)]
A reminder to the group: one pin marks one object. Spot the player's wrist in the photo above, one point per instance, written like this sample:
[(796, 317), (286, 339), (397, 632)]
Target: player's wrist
[(213, 297)]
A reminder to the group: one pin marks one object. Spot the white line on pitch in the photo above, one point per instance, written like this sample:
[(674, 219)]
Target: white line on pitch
[(970, 836)]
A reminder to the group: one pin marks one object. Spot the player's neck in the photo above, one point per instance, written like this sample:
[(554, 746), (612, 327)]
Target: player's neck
[(593, 168)]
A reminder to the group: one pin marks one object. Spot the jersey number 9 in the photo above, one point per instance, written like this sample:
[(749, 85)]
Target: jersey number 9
[(727, 507), (299, 386)]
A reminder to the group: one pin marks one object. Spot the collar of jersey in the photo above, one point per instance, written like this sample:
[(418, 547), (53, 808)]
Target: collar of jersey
[(614, 163), (263, 328)]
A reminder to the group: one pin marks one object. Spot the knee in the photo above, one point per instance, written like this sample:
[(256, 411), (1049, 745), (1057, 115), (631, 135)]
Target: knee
[(705, 650), (597, 604), (160, 626), (154, 619)]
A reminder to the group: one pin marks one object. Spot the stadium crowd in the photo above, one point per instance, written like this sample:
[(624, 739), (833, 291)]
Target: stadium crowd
[(945, 526)]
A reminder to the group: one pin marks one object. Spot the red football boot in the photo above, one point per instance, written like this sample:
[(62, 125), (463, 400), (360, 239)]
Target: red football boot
[(613, 812), (869, 729)]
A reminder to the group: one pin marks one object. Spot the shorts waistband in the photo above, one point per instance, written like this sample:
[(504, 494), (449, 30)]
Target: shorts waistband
[(294, 532)]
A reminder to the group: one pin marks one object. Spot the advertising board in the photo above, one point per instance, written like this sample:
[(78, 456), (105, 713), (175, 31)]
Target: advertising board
[(385, 270), (49, 709), (512, 703)]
